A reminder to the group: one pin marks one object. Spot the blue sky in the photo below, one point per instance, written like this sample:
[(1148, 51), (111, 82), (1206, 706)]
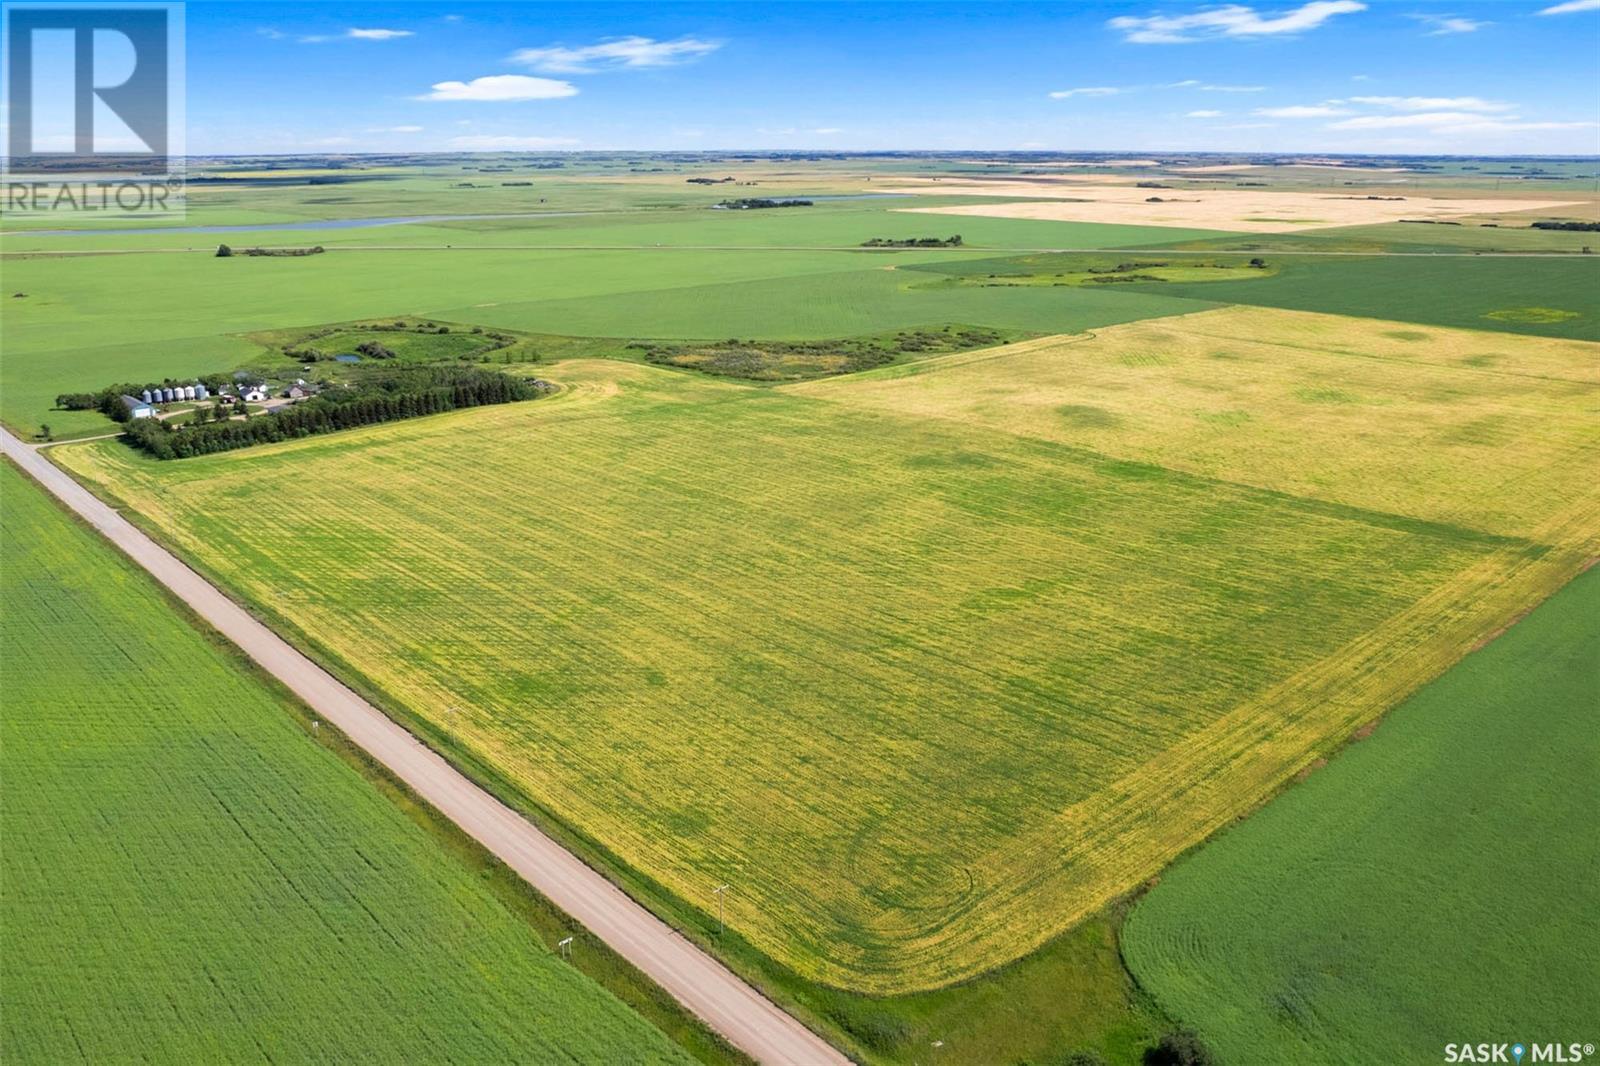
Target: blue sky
[(1328, 75)]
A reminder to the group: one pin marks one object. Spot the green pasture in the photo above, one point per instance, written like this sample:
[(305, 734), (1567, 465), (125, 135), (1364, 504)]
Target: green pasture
[(1469, 293), (867, 299), (1410, 237), (191, 876), (86, 323), (1436, 883)]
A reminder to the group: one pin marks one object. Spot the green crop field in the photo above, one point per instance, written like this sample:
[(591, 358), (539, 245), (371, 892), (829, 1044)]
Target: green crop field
[(190, 877), (1453, 852), (1468, 293), (928, 688), (85, 323)]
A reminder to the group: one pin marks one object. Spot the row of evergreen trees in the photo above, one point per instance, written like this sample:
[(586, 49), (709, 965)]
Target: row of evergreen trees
[(405, 394)]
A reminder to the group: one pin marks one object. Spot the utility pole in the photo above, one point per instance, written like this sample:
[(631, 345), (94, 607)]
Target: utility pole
[(718, 892)]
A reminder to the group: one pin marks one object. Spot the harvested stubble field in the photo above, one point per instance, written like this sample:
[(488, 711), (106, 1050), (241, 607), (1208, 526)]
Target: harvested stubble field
[(924, 690), (191, 877)]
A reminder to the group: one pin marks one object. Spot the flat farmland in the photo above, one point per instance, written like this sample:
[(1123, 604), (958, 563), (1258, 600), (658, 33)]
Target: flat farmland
[(1532, 295), (925, 691), (1253, 211), (1476, 429), (1469, 814), (190, 876)]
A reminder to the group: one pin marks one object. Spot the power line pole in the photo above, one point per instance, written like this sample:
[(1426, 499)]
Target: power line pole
[(718, 892)]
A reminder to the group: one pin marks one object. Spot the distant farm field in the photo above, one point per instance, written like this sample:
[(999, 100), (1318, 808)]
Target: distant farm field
[(1252, 211), (133, 317), (1453, 852), (190, 877), (1535, 295), (926, 686)]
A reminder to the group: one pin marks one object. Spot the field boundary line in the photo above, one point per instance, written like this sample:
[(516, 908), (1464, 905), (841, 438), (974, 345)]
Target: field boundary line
[(706, 988)]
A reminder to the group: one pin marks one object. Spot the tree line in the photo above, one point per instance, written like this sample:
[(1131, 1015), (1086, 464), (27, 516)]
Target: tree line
[(410, 393), (913, 242), (1580, 227)]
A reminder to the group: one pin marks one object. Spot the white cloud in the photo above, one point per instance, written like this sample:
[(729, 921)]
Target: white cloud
[(501, 143), (354, 35), (1204, 114), (615, 52), (828, 130), (1432, 103), (271, 34), (1444, 25), (1229, 20), (501, 87), (1094, 90), (1451, 122), (1300, 111), (1233, 88), (1572, 6), (1184, 84)]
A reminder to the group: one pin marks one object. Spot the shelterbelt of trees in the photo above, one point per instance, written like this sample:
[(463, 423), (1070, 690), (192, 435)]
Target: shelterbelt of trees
[(408, 393)]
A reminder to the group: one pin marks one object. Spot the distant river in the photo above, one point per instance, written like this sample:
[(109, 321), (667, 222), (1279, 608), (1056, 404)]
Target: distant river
[(264, 227)]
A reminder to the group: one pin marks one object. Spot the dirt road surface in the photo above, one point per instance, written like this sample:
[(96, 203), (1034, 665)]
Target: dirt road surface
[(704, 986)]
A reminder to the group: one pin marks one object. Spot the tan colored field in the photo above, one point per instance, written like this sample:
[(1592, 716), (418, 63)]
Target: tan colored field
[(1229, 168), (1069, 164), (1241, 210)]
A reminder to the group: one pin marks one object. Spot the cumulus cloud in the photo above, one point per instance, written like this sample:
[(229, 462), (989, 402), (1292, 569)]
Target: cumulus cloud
[(1229, 20), (483, 142), (1572, 6), (1432, 103), (501, 87), (1204, 114), (1300, 111), (1444, 25), (614, 53), (1093, 90)]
